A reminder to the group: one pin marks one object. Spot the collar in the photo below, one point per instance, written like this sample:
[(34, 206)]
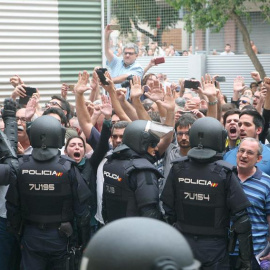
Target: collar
[(129, 65)]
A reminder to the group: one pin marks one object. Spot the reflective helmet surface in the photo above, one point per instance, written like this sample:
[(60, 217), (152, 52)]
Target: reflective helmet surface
[(46, 132), (207, 136), (46, 135), (137, 138), (138, 243)]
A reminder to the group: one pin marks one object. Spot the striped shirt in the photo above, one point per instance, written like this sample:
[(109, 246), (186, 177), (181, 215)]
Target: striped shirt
[(257, 189)]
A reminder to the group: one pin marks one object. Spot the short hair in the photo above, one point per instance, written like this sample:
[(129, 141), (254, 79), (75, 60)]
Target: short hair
[(131, 46), (251, 99), (260, 150), (64, 104), (155, 116), (120, 125), (72, 137), (258, 119), (146, 77), (57, 111), (185, 120), (227, 106), (228, 44), (230, 112), (253, 83)]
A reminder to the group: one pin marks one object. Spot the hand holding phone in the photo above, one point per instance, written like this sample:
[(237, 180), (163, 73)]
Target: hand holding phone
[(221, 79), (29, 92), (159, 60), (100, 72), (191, 84)]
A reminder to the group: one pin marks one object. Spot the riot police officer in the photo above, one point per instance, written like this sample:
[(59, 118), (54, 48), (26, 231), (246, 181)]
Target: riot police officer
[(130, 178), (8, 172), (202, 193), (42, 203), (138, 243)]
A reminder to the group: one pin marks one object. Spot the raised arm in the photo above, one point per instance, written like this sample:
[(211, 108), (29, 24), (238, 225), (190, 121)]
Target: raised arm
[(81, 109)]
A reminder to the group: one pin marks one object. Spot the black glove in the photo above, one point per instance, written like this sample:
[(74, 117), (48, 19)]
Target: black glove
[(243, 265), (9, 108)]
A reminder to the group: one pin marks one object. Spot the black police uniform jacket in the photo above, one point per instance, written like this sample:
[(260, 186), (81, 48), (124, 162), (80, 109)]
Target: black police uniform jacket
[(200, 198), (130, 186), (46, 192)]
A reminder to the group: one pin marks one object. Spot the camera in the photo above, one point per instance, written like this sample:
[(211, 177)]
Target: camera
[(126, 83)]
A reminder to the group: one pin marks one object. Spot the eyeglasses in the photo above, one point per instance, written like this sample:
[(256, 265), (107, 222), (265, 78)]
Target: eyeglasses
[(248, 152), (130, 53), (54, 103), (182, 133), (22, 119), (153, 144), (117, 136), (244, 101)]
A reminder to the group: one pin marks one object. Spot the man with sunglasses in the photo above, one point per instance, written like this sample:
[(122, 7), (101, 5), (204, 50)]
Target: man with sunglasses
[(121, 68)]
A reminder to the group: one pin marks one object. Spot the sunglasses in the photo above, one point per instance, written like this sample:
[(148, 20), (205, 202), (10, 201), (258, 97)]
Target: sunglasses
[(244, 101)]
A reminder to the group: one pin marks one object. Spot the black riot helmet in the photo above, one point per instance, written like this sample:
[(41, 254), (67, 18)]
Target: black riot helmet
[(139, 134), (46, 135), (207, 138), (138, 243)]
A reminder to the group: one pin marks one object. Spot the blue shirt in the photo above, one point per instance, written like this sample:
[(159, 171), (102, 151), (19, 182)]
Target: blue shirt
[(118, 68), (257, 189), (263, 165)]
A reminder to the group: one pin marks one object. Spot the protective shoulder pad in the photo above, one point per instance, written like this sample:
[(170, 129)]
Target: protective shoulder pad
[(224, 164), (66, 161), (180, 159), (141, 164)]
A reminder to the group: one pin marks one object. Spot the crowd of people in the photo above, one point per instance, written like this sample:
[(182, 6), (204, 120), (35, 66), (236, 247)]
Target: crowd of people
[(151, 148)]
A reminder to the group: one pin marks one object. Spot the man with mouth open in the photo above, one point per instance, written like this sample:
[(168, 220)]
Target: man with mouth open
[(230, 121), (24, 146), (251, 124)]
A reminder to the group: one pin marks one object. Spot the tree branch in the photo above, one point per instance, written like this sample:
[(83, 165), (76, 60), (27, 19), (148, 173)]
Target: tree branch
[(246, 40), (154, 38)]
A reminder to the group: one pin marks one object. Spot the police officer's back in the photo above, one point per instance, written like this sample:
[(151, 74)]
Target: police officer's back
[(130, 179), (202, 193), (43, 202)]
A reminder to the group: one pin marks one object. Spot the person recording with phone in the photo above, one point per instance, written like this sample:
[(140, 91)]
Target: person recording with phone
[(122, 68)]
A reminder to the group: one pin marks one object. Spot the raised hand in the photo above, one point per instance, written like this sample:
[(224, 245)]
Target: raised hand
[(208, 88), (121, 94), (64, 90), (135, 87), (19, 91), (238, 84), (81, 85), (255, 75), (169, 100), (30, 109), (16, 80), (106, 107), (156, 92)]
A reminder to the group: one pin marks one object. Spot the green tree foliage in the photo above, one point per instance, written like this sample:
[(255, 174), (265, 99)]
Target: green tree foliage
[(202, 14), (135, 12)]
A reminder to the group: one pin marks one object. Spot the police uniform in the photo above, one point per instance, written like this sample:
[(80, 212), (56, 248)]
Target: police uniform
[(201, 195), (130, 186), (130, 178), (42, 203)]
